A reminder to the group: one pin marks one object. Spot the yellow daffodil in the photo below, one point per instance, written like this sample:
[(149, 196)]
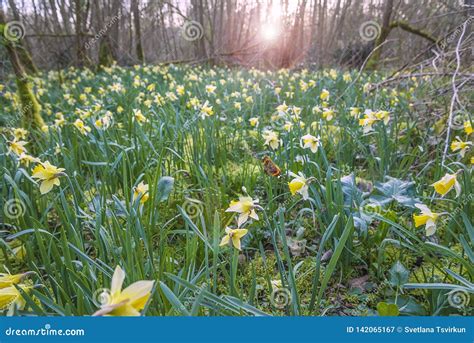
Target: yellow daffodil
[(310, 142), (17, 147), (11, 298), (324, 94), (288, 126), (232, 237), (48, 174), (328, 114), (141, 190), (383, 116), (180, 90), (368, 120), (347, 77), (296, 111), (253, 121), (20, 133), (355, 112), (59, 121), (446, 183), (271, 139), (7, 280), (468, 127), (27, 159), (299, 184), (206, 110), (127, 302), (84, 129), (458, 144), (426, 218), (282, 109), (139, 117), (245, 206), (210, 89)]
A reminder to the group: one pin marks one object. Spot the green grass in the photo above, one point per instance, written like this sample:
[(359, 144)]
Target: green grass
[(74, 236)]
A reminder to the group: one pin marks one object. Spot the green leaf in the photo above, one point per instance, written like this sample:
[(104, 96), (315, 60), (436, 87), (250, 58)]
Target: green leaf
[(165, 186), (397, 190), (398, 274), (385, 309)]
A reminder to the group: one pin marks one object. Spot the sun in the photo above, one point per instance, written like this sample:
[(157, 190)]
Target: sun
[(269, 31)]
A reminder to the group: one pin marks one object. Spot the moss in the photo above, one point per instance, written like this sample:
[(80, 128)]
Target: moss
[(105, 56), (31, 115)]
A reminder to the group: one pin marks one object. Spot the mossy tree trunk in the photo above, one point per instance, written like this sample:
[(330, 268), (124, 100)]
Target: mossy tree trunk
[(105, 53), (22, 49), (387, 27), (30, 107), (384, 32)]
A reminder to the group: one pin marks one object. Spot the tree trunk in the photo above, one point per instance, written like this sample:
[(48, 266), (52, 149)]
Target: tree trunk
[(30, 107), (81, 52), (23, 49), (138, 33), (384, 32)]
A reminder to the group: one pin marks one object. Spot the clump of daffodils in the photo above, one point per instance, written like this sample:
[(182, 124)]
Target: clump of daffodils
[(370, 118)]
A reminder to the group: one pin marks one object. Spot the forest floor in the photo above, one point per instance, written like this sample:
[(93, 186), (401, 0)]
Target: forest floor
[(235, 192)]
